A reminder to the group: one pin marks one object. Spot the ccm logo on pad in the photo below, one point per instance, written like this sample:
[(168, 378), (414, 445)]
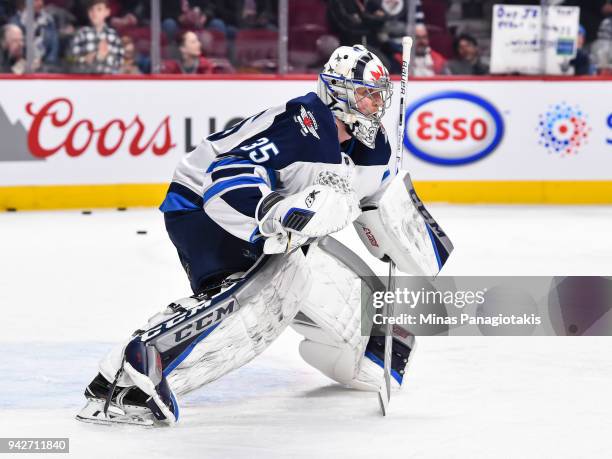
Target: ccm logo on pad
[(451, 128)]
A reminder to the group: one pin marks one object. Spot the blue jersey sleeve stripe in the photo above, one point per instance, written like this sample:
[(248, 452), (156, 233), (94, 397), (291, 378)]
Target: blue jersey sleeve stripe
[(272, 177), (218, 188), (385, 175), (175, 202), (226, 161)]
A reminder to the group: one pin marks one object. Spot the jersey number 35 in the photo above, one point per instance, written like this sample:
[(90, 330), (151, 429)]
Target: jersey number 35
[(262, 148)]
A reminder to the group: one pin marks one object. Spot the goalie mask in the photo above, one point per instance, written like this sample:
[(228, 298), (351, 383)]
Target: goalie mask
[(352, 74)]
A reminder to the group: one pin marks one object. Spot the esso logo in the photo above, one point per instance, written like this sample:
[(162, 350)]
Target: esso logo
[(452, 128)]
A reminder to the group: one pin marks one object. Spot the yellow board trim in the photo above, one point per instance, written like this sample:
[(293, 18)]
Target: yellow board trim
[(458, 192), (81, 196), (516, 192)]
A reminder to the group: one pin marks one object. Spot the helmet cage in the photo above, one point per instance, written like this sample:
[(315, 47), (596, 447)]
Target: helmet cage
[(344, 90)]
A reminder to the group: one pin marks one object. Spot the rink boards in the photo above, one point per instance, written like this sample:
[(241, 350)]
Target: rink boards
[(114, 142)]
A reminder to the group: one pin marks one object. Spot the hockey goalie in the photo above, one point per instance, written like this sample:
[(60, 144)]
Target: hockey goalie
[(250, 212)]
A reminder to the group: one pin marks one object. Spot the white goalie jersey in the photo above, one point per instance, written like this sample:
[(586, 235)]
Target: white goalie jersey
[(283, 149)]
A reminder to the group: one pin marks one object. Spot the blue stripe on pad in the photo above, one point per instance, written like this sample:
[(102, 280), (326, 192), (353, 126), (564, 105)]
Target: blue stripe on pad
[(381, 364), (183, 355), (214, 302), (435, 247), (255, 235)]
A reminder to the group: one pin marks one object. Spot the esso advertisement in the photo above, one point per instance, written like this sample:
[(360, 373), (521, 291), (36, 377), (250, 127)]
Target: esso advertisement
[(452, 128)]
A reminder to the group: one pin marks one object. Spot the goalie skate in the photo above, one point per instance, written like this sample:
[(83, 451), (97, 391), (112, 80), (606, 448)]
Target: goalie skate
[(127, 405), (93, 412)]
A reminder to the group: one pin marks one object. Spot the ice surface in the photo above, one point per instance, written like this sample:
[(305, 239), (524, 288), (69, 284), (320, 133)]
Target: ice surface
[(72, 284)]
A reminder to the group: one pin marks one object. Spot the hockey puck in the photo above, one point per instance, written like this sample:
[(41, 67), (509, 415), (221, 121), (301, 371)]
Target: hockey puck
[(11, 209), (121, 209), (86, 212), (141, 232)]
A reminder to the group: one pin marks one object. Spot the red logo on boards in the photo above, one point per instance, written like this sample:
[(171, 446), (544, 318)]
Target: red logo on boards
[(445, 128), (108, 138)]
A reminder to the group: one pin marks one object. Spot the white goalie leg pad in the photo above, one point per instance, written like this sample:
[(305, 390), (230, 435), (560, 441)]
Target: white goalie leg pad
[(111, 363), (249, 331), (240, 337), (330, 321), (397, 225)]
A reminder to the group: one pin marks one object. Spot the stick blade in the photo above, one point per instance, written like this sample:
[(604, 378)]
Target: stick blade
[(383, 399)]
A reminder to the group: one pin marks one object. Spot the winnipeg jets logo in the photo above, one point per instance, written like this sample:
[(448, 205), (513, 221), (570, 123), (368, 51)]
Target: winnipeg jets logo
[(308, 122), (310, 199)]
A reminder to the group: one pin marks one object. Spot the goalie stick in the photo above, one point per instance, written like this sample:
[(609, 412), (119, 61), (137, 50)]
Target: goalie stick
[(384, 395)]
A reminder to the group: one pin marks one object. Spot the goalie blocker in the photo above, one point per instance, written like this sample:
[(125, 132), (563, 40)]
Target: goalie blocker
[(396, 225)]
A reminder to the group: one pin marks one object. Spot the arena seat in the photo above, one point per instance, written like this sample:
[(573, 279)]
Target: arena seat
[(141, 37), (214, 43), (441, 41), (435, 13), (303, 44), (309, 12), (256, 44)]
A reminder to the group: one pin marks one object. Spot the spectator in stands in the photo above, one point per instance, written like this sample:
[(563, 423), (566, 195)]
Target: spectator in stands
[(396, 15), (582, 62), (360, 21), (6, 11), (426, 62), (606, 8), (601, 49), (468, 61), (592, 12), (131, 13), (46, 36), (395, 28), (129, 67), (65, 21), (12, 50), (195, 14), (258, 14), (191, 60), (346, 20), (98, 48), (80, 9), (192, 15)]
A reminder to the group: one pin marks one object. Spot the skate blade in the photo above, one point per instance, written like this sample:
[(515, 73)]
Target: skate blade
[(93, 413)]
